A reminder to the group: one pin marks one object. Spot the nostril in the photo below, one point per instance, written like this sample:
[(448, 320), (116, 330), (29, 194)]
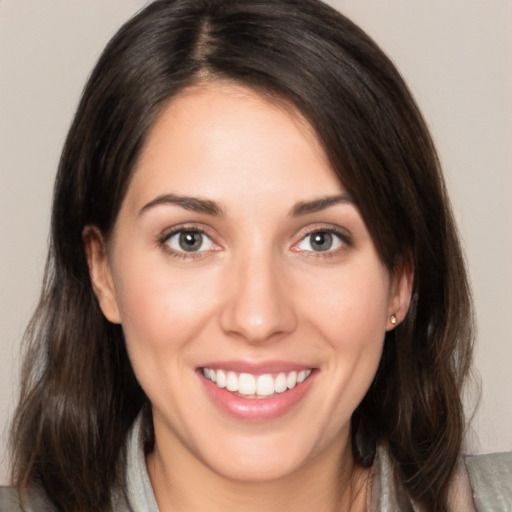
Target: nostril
[(258, 306)]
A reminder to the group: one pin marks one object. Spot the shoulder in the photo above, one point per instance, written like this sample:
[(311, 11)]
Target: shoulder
[(491, 481), (9, 499), (34, 500)]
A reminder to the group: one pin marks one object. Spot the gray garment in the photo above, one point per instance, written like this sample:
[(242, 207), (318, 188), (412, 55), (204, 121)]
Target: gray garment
[(491, 480), (139, 493), (490, 477)]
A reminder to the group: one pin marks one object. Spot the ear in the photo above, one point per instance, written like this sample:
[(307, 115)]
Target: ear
[(100, 272), (402, 280)]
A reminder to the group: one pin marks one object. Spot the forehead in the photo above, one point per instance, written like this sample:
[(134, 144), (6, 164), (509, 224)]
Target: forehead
[(224, 141)]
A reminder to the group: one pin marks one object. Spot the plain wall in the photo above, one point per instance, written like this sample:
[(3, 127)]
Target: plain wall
[(456, 57)]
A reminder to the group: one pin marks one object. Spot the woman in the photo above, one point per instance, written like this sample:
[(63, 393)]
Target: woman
[(255, 297)]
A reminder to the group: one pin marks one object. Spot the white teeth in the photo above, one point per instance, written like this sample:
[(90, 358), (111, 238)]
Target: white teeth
[(265, 385), (232, 381), (291, 380), (280, 384), (303, 375), (220, 377), (246, 384), (251, 385)]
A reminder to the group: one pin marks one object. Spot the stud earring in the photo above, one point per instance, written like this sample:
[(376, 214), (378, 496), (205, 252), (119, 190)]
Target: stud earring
[(393, 319)]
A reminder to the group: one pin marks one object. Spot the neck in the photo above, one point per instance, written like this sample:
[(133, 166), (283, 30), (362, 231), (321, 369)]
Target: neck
[(330, 483)]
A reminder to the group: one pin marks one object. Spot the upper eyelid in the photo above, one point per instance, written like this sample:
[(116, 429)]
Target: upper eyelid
[(168, 242), (344, 236), (167, 233), (329, 228), (174, 233), (162, 242)]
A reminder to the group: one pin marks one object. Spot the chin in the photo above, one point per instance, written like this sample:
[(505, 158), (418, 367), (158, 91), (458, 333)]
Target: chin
[(260, 457)]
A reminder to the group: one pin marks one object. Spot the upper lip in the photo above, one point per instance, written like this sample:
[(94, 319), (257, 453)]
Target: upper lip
[(256, 367)]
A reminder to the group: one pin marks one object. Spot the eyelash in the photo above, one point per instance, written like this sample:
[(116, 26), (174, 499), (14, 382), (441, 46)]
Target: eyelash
[(343, 237), (163, 242)]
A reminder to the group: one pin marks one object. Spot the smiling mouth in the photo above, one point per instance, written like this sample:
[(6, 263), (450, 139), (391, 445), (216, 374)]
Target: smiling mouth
[(248, 385)]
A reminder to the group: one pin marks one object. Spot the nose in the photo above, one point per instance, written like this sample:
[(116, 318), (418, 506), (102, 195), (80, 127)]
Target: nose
[(259, 304)]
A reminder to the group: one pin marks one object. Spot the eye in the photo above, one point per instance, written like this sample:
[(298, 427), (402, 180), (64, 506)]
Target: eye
[(189, 241), (320, 241)]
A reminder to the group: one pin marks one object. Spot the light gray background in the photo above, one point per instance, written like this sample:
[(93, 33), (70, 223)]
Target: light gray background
[(456, 56)]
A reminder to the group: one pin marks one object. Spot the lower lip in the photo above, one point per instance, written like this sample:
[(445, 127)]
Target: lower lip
[(257, 409)]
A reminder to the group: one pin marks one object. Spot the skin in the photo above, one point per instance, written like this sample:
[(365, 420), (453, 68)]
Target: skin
[(255, 291)]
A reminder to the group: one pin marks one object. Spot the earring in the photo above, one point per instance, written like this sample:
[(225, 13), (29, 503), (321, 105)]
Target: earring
[(392, 319)]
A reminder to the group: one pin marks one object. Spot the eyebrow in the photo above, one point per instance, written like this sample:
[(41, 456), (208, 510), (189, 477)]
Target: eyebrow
[(193, 204), (308, 207), (200, 205)]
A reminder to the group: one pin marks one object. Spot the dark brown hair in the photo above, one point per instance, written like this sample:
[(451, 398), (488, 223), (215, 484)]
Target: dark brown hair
[(79, 395)]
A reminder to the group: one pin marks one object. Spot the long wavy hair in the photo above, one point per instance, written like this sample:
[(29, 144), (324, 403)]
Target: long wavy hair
[(79, 395)]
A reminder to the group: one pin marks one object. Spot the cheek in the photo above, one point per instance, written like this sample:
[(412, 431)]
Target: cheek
[(162, 312), (160, 306), (351, 307), (350, 315)]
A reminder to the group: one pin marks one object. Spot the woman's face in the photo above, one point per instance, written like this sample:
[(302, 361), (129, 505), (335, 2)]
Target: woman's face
[(251, 296)]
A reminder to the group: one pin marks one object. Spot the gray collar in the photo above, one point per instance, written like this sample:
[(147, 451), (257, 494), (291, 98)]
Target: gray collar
[(384, 496), (138, 491), (140, 497)]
